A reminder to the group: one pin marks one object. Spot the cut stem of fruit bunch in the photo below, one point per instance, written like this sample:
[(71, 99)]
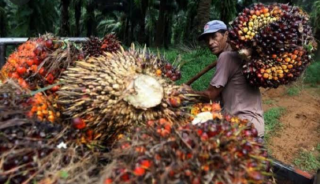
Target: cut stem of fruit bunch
[(214, 151), (117, 90), (276, 40)]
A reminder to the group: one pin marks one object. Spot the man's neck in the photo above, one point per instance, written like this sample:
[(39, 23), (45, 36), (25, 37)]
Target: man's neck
[(226, 48)]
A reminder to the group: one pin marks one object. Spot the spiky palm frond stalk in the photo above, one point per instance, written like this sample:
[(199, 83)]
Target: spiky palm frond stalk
[(112, 92)]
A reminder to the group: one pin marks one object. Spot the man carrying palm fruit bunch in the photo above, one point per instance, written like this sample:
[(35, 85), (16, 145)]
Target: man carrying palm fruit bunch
[(228, 85)]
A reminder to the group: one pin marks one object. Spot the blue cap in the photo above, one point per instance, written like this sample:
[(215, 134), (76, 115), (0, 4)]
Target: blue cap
[(212, 27)]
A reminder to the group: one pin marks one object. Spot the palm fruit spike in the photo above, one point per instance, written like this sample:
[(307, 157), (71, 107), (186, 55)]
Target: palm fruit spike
[(276, 40), (121, 89), (215, 151)]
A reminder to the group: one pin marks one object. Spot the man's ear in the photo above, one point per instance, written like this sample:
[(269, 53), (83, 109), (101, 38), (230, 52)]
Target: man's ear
[(226, 33)]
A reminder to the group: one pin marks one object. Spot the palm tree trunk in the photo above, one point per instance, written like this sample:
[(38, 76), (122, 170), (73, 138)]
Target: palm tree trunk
[(203, 13), (142, 23), (64, 24), (2, 23), (161, 24), (168, 29), (77, 15), (90, 18)]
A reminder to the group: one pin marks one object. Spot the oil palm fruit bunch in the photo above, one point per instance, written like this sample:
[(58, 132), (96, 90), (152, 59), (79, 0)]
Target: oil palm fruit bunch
[(44, 107), (215, 151), (109, 93), (96, 46), (110, 43), (169, 70), (276, 40), (39, 61), (34, 152)]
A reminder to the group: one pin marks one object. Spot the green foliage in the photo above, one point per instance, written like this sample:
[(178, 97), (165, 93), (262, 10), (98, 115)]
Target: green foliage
[(308, 161), (312, 74), (293, 91), (268, 102), (35, 17), (271, 120)]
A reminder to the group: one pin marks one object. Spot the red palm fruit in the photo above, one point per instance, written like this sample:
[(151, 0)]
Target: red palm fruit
[(78, 123), (55, 88), (50, 78), (108, 181), (125, 177), (14, 75), (49, 44), (21, 70), (38, 50), (168, 66), (29, 62), (146, 164), (162, 121), (36, 61), (42, 71), (175, 101), (139, 171)]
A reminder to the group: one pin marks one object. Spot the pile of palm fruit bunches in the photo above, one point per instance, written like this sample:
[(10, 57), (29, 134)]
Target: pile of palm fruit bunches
[(96, 113), (276, 40)]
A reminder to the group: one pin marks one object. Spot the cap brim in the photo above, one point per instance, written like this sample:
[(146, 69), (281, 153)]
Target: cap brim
[(201, 37)]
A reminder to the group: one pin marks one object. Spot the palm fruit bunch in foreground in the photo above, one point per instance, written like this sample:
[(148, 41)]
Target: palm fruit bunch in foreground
[(39, 61), (40, 106), (35, 152), (96, 47), (106, 94), (276, 40), (215, 151), (41, 151)]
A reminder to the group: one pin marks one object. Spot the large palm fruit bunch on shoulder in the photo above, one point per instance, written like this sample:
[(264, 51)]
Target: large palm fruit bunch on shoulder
[(214, 151), (276, 40), (95, 46), (39, 61), (106, 94)]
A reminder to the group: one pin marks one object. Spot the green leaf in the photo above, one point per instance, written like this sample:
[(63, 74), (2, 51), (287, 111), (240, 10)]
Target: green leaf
[(64, 174)]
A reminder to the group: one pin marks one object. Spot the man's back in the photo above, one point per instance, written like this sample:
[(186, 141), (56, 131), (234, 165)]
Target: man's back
[(238, 97)]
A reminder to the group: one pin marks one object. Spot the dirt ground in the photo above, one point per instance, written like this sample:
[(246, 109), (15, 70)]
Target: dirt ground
[(301, 122)]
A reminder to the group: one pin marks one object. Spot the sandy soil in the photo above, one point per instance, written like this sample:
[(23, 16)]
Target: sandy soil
[(301, 122)]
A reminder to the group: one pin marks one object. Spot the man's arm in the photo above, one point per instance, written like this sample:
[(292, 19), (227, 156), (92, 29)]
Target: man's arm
[(212, 93)]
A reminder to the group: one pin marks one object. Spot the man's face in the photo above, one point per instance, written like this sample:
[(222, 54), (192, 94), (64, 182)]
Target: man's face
[(216, 42)]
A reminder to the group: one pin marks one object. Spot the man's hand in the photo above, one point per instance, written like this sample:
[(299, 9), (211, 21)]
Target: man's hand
[(187, 88)]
